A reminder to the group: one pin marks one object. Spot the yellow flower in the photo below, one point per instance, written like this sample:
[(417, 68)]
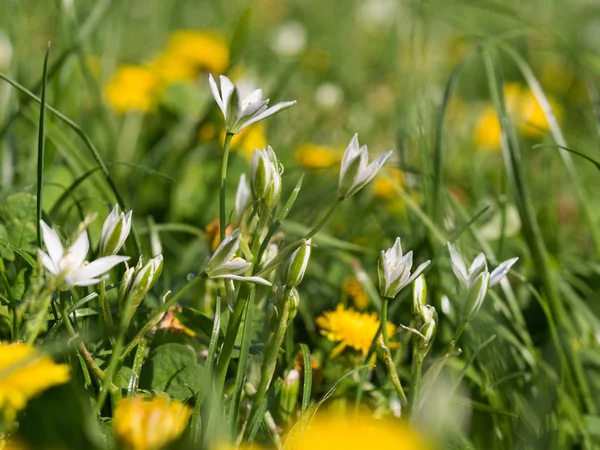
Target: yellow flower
[(328, 431), (356, 293), (525, 110), (25, 373), (318, 156), (532, 117), (386, 185), (248, 139), (203, 51), (147, 424), (132, 88), (351, 329), (170, 68), (487, 134)]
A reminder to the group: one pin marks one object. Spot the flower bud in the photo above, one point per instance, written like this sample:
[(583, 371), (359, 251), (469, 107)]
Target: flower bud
[(429, 328), (296, 265), (274, 189), (140, 282), (419, 295), (242, 197), (475, 296), (289, 395), (115, 230), (260, 173), (294, 302)]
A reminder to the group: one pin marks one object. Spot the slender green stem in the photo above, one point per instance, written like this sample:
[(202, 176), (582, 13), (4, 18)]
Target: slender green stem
[(87, 356), (387, 357), (270, 358), (41, 140), (39, 318), (325, 218), (222, 212), (136, 369), (416, 371), (457, 334), (106, 314)]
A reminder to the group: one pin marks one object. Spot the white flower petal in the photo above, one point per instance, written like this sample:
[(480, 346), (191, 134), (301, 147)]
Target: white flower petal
[(52, 241), (227, 88), (501, 271), (88, 282), (419, 270), (47, 262), (458, 266), (256, 280), (215, 92), (78, 251), (96, 268), (268, 112)]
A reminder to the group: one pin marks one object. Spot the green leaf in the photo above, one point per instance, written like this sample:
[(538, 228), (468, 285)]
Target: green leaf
[(173, 369), (197, 322)]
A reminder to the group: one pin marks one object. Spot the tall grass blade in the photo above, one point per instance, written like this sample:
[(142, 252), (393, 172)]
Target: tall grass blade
[(40, 155)]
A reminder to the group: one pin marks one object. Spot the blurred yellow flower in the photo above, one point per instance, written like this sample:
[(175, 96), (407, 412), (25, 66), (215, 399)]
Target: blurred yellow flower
[(533, 121), (351, 329), (170, 68), (356, 293), (360, 431), (25, 373), (524, 109), (132, 88), (385, 185), (201, 50), (318, 156), (250, 138), (148, 424)]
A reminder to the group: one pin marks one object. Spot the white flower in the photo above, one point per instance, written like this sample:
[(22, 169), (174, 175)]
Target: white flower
[(115, 230), (394, 270), (224, 263), (243, 196), (237, 112), (329, 96), (69, 265), (467, 277), (476, 280), (356, 171)]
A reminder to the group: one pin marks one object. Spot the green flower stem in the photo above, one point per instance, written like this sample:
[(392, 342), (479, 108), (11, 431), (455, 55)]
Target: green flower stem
[(325, 218), (387, 356), (39, 319), (222, 213), (416, 371), (270, 358), (138, 362), (87, 356), (106, 314), (457, 334)]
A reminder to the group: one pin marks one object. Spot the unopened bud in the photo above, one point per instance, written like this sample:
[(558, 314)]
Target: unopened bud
[(115, 230), (140, 282), (430, 318), (294, 302), (419, 295), (296, 265), (289, 395), (260, 173)]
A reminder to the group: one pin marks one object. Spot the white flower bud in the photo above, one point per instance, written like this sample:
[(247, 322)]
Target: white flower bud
[(296, 265), (115, 230), (419, 294), (242, 197)]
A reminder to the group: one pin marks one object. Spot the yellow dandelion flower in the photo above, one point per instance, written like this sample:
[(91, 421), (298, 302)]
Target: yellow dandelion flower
[(250, 138), (327, 431), (147, 424), (386, 185), (487, 133), (132, 88), (356, 293), (170, 68), (318, 156), (532, 119), (351, 329), (204, 51), (25, 373)]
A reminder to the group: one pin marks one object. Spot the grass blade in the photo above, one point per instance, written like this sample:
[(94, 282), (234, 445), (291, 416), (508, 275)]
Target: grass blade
[(41, 141)]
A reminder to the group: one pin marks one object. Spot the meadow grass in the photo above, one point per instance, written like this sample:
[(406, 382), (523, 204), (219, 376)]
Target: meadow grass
[(266, 299)]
